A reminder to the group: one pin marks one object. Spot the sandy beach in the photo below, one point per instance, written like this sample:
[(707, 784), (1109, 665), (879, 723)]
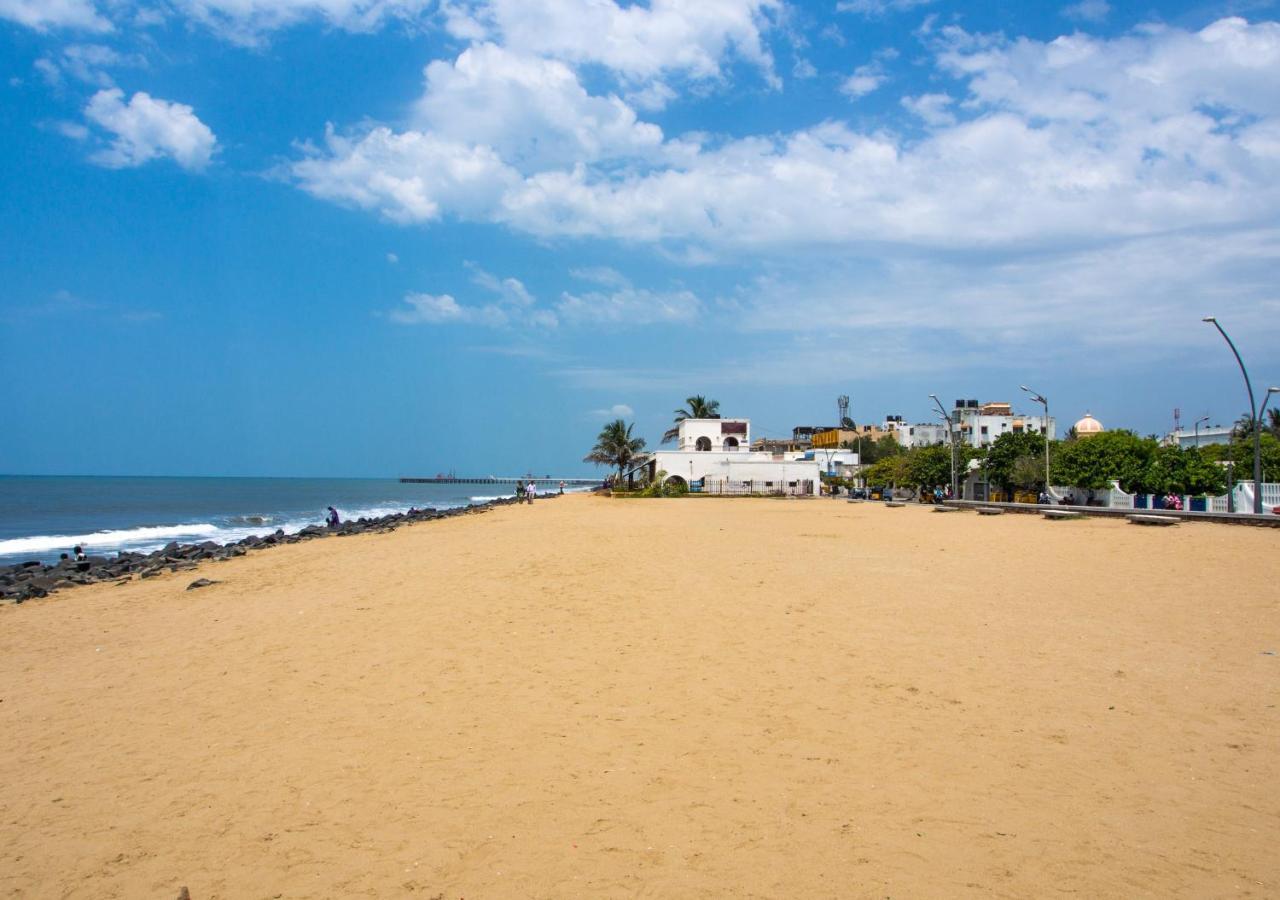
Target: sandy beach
[(667, 698)]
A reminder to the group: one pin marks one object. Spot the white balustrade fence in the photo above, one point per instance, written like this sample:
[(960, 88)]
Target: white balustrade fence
[(1118, 499)]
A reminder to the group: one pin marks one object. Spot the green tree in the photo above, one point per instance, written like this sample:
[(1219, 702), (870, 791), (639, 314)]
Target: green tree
[(892, 470), (1203, 475), (615, 447), (696, 407), (1240, 454), (874, 451), (932, 465), (1172, 470), (1005, 452), (1273, 422), (1028, 472), (1093, 462)]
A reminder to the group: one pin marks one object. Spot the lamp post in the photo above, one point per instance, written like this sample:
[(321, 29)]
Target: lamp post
[(1040, 398), (1257, 433), (1255, 414), (1198, 421), (951, 431)]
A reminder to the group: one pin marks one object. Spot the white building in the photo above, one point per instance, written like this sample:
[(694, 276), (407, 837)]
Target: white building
[(704, 435), (714, 457), (923, 434), (1216, 434), (976, 424), (841, 463)]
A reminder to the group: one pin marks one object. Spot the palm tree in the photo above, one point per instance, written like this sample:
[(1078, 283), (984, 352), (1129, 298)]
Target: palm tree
[(698, 407), (1243, 429), (1273, 421), (615, 447)]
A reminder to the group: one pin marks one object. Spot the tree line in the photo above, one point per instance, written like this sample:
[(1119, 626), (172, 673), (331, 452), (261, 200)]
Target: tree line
[(1142, 465)]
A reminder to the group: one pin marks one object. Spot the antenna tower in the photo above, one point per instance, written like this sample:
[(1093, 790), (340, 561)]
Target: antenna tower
[(842, 403)]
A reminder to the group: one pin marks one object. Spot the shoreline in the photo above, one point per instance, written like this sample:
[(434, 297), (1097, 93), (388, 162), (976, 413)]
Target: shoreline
[(33, 579), (592, 698)]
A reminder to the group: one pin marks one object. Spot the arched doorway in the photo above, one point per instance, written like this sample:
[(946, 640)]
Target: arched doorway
[(731, 443), (702, 444)]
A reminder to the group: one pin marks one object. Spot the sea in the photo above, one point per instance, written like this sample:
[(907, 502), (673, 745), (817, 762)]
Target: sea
[(42, 517)]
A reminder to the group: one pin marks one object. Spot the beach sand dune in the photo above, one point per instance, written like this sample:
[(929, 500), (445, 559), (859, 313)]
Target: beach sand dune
[(683, 698)]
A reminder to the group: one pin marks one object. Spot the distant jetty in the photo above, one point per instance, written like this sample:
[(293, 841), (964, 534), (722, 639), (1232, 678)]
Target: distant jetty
[(495, 479)]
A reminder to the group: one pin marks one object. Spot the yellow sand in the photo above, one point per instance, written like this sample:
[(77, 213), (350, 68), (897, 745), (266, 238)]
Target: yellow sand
[(676, 698)]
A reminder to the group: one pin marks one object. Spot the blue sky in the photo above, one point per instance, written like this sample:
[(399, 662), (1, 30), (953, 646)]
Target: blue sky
[(384, 237)]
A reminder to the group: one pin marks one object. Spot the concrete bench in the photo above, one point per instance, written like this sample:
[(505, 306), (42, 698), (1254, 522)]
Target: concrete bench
[(1140, 519), (946, 509), (1056, 514), (894, 504), (990, 511)]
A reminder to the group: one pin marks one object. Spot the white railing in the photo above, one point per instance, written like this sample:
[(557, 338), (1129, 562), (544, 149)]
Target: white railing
[(1118, 499), (1244, 496), (1115, 498)]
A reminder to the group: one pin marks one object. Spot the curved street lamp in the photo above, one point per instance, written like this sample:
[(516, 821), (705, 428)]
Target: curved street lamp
[(1270, 391), (951, 433), (1200, 420), (1040, 398), (1255, 413)]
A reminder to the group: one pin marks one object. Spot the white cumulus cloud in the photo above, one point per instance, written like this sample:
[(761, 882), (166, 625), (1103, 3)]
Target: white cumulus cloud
[(407, 177), (863, 81), (511, 304), (430, 309), (639, 41), (532, 111), (43, 15), (147, 128)]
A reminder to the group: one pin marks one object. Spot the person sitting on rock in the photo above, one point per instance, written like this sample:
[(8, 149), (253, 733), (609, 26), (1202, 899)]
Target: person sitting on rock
[(79, 553)]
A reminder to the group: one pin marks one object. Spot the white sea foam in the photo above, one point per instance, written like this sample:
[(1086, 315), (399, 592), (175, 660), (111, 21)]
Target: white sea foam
[(124, 537)]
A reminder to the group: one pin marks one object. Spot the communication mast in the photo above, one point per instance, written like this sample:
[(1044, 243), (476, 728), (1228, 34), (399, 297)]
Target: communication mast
[(842, 403)]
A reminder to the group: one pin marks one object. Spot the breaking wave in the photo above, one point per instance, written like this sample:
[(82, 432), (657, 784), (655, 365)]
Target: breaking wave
[(120, 539)]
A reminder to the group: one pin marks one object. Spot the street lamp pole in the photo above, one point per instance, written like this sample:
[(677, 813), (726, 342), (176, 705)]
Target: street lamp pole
[(1254, 412), (951, 431), (1040, 398), (1198, 421)]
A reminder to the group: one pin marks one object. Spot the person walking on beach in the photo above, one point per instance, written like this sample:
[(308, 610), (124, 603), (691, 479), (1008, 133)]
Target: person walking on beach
[(332, 520), (519, 491), (562, 487), (530, 490)]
